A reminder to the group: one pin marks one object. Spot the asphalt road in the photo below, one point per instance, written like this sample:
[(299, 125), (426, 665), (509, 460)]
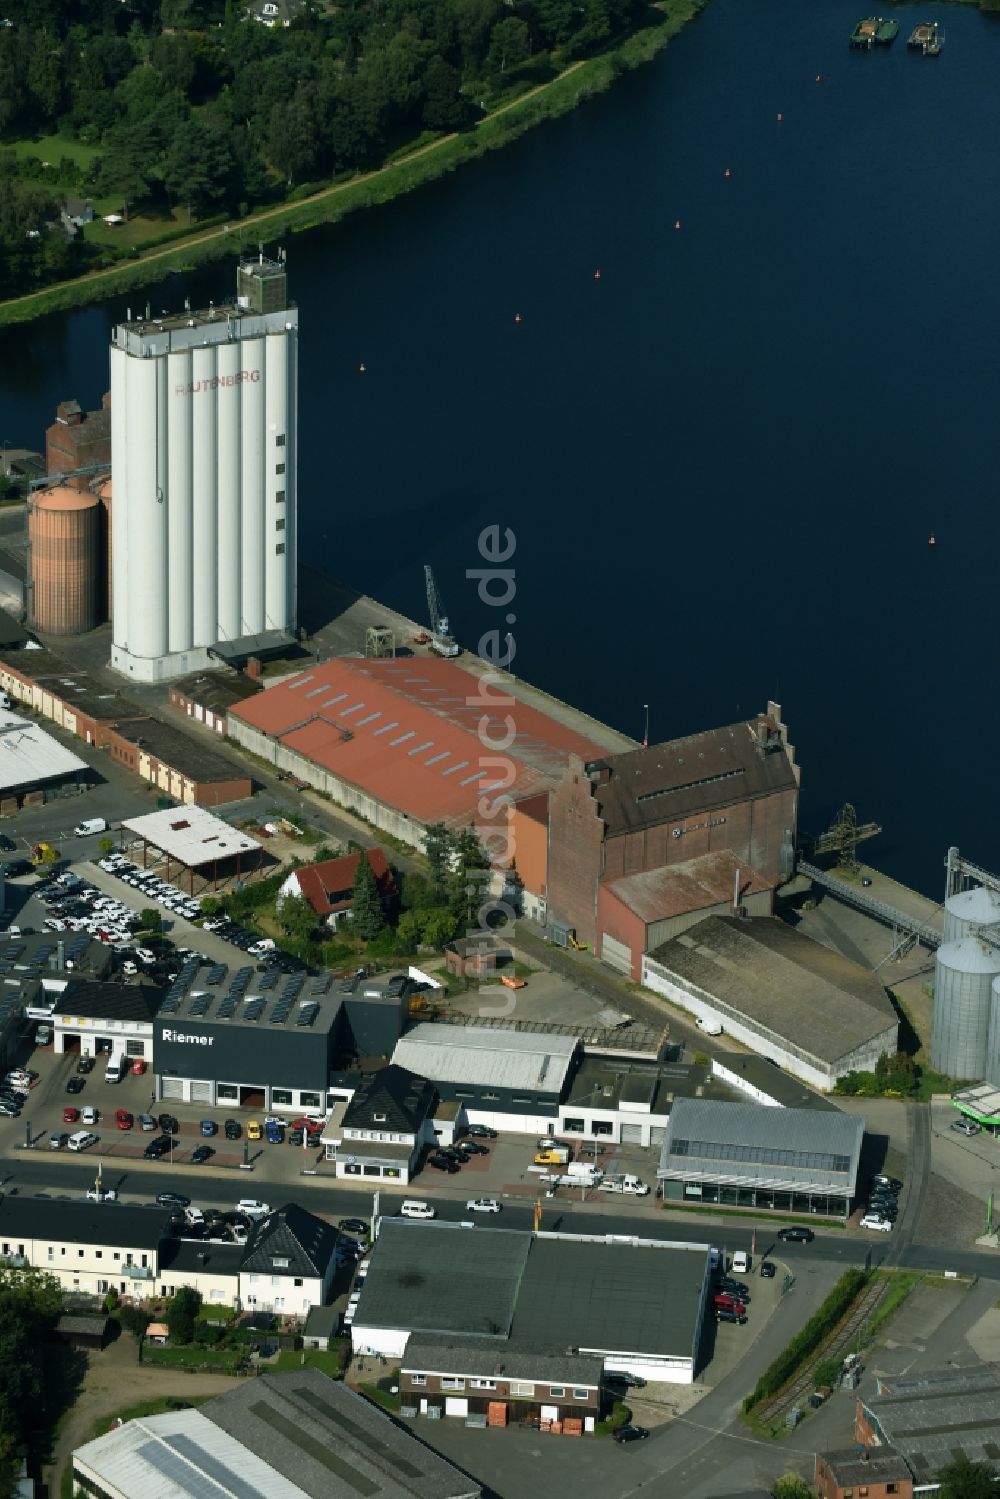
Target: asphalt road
[(69, 1177)]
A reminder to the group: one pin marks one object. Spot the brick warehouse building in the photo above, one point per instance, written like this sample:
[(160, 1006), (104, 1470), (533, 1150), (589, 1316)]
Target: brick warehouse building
[(734, 788)]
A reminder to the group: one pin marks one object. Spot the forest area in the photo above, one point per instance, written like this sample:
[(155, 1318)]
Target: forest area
[(160, 115)]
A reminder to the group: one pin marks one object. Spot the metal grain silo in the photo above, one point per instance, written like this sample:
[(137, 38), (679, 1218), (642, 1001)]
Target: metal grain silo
[(963, 979), (64, 534), (970, 909), (992, 1074)]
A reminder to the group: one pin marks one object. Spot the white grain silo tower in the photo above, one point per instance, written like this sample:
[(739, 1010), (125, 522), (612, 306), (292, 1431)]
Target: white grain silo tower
[(204, 468), (963, 980)]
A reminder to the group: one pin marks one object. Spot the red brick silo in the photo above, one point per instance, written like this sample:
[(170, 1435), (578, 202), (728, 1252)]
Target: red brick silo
[(64, 527)]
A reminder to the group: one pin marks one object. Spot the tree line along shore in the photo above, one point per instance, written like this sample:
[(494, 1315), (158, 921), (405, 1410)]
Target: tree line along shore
[(192, 128)]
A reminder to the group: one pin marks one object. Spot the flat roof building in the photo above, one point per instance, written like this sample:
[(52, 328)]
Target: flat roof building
[(750, 1155), (638, 1306), (193, 839), (33, 761), (813, 1011), (878, 1472), (172, 761)]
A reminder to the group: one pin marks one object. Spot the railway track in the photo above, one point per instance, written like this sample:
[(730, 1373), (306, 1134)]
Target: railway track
[(836, 1347)]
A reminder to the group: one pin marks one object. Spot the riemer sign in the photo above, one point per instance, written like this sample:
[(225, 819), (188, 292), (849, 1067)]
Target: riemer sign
[(186, 1038), (218, 382)]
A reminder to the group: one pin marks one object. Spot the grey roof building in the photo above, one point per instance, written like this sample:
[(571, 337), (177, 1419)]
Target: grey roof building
[(635, 1305), (393, 1099), (768, 1152), (815, 1012), (332, 1443), (480, 1356), (934, 1418), (852, 1467), (286, 1436), (23, 1218), (303, 1243)]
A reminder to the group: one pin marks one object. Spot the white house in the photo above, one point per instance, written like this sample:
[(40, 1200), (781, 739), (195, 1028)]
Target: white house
[(289, 1266)]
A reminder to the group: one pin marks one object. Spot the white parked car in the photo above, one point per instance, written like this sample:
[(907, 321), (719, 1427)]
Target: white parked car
[(88, 1115), (411, 1208), (80, 1139), (483, 1205), (239, 1233), (103, 1194), (880, 1225), (250, 1208), (710, 1027)]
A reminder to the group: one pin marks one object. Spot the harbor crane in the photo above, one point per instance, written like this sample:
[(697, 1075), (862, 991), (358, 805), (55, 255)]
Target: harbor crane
[(441, 641), (843, 836)]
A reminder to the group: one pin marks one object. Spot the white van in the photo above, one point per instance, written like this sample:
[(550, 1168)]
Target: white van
[(740, 1263), (90, 825), (410, 1208), (116, 1068)]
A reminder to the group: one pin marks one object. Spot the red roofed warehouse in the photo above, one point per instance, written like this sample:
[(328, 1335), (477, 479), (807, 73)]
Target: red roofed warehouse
[(329, 887), (408, 742)]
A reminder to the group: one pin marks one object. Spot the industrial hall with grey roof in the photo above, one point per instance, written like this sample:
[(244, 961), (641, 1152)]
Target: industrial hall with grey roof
[(756, 1156), (810, 1009), (296, 1435)]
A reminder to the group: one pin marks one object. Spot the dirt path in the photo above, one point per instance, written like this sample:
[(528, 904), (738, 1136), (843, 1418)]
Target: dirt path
[(116, 1381), (93, 278)]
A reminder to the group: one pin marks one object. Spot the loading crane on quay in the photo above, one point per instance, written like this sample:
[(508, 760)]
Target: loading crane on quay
[(441, 640)]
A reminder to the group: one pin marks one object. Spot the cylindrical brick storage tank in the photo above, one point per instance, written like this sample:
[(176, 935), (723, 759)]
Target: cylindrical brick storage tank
[(107, 589), (968, 909), (64, 534), (993, 1041), (963, 980)]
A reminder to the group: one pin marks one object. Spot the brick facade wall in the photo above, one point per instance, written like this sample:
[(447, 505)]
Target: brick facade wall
[(576, 837)]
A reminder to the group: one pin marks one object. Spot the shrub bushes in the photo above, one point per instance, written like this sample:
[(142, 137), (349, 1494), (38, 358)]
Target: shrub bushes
[(819, 1326)]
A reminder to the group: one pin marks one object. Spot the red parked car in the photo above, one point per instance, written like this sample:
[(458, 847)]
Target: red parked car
[(138, 1067), (730, 1303), (70, 1115), (123, 1119)]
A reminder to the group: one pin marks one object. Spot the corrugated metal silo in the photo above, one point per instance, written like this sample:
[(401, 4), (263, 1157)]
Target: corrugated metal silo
[(993, 1041), (963, 979), (969, 909), (64, 535)]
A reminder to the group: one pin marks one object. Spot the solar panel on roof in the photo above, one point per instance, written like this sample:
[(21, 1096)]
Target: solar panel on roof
[(307, 1014), (193, 1470), (268, 981), (201, 1005), (215, 975), (170, 1005), (321, 984), (227, 1009)]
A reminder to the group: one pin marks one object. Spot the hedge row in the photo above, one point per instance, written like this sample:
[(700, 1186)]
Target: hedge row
[(808, 1339)]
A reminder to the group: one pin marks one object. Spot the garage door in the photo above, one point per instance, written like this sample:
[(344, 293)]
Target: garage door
[(172, 1087), (201, 1092), (657, 1136), (616, 954), (456, 1405), (631, 1134)]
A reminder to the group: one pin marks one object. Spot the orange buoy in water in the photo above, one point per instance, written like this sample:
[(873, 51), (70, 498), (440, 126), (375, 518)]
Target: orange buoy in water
[(677, 223)]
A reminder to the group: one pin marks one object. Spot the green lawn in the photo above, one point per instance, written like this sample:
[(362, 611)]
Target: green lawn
[(380, 1397), (53, 147), (310, 1358)]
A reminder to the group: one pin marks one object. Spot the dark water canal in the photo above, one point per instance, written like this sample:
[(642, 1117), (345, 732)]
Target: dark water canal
[(722, 458)]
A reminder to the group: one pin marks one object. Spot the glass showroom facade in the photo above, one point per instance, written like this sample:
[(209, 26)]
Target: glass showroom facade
[(767, 1199)]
